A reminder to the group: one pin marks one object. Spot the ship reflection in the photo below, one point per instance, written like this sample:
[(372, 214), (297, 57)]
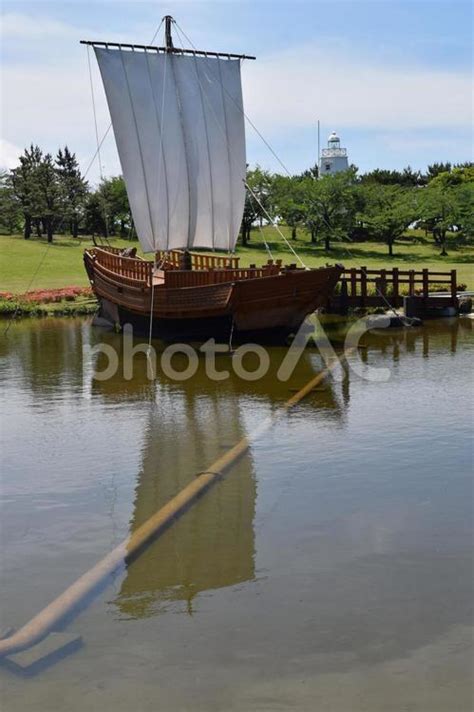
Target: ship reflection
[(189, 425)]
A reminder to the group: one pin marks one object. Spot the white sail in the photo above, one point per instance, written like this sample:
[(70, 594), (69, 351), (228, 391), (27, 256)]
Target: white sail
[(179, 126)]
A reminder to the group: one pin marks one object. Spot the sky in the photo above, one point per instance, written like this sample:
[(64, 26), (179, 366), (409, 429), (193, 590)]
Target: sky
[(393, 78)]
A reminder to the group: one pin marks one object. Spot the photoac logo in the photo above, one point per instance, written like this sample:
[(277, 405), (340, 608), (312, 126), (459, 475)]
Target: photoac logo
[(310, 333)]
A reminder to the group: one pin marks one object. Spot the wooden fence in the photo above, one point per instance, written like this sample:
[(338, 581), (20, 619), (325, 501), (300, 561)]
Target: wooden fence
[(363, 287)]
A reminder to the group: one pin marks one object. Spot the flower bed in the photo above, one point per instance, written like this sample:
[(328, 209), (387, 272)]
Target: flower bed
[(49, 296)]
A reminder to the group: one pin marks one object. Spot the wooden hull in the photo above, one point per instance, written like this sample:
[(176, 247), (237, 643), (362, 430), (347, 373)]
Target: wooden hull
[(258, 305)]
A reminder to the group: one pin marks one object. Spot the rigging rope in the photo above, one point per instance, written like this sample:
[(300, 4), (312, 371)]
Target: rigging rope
[(267, 247), (107, 131), (86, 172), (179, 28), (390, 306), (273, 152), (219, 125), (383, 296), (104, 209), (275, 225), (94, 112), (225, 136)]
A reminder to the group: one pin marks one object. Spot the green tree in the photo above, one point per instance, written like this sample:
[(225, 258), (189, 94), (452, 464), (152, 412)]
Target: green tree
[(439, 209), (312, 172), (388, 211), (113, 196), (10, 210), (329, 206), (435, 169), (73, 188), (49, 204), (94, 215), (24, 181), (248, 218), (261, 183), (287, 201), (407, 178), (465, 209)]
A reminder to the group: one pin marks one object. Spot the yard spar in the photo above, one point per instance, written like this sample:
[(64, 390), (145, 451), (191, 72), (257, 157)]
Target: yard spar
[(178, 121)]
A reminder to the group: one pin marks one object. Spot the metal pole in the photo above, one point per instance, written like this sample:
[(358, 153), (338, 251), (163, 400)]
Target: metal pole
[(319, 146)]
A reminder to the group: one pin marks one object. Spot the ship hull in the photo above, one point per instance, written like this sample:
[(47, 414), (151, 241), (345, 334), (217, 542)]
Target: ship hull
[(185, 330), (245, 305)]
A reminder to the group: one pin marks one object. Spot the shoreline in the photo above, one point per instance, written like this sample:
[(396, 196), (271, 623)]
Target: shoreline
[(63, 301)]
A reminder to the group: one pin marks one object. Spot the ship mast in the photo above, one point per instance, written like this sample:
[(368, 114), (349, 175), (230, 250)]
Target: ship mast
[(168, 40)]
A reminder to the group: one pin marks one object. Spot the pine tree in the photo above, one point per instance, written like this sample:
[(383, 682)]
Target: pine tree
[(73, 188), (10, 210), (49, 195), (25, 185)]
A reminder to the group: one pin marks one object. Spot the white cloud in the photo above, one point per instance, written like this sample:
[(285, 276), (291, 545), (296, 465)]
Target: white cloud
[(19, 26), (8, 154), (297, 86)]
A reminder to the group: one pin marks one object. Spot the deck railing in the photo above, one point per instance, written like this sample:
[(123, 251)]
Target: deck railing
[(130, 267), (174, 260), (191, 278)]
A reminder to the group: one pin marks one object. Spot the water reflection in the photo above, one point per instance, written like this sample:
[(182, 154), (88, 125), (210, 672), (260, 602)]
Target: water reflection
[(341, 544), (187, 427)]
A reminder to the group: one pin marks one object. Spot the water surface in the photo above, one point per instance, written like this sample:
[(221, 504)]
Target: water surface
[(330, 570)]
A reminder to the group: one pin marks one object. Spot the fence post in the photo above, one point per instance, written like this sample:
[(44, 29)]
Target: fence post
[(353, 282), (395, 296), (426, 283), (363, 286), (454, 287), (411, 283), (343, 300), (383, 282)]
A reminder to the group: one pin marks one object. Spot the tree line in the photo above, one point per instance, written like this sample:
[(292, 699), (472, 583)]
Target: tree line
[(380, 205), (45, 195)]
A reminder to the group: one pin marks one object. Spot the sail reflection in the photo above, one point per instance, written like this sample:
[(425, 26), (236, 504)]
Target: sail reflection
[(213, 544)]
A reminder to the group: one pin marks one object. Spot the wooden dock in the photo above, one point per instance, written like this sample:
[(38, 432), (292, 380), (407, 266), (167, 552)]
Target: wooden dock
[(362, 287)]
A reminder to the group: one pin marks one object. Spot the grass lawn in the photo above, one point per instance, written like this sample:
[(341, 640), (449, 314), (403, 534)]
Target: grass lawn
[(32, 264)]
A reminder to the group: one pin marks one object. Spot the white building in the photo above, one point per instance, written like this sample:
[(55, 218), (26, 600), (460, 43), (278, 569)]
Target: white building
[(333, 159)]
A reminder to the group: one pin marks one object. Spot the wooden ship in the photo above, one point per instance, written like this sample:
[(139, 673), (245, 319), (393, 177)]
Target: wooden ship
[(178, 121)]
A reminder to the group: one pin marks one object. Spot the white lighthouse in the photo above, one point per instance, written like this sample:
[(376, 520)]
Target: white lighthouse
[(333, 159)]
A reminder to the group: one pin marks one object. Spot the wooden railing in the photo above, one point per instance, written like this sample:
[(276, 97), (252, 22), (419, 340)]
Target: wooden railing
[(374, 287), (129, 267), (191, 278), (174, 260)]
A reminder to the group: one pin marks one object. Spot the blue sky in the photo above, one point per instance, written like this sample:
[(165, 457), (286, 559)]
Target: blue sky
[(393, 78)]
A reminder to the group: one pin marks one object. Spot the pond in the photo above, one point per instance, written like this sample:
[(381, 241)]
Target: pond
[(330, 570)]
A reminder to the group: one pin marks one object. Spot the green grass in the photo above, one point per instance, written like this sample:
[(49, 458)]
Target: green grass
[(32, 264)]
